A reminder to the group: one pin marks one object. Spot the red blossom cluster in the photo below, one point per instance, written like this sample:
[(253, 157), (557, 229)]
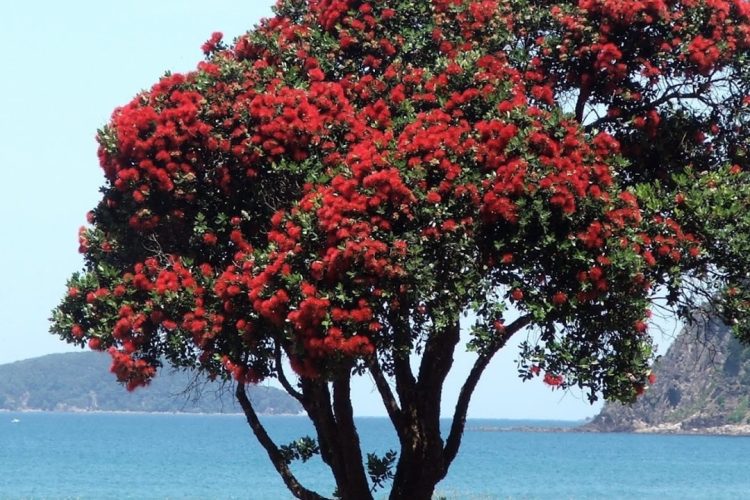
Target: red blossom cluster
[(132, 372), (286, 122), (553, 380), (615, 50), (213, 43)]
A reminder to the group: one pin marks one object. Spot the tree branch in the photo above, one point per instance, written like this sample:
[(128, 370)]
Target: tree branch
[(285, 381), (335, 433), (462, 404), (348, 439), (317, 403), (438, 357), (274, 454), (386, 394), (405, 382), (583, 96), (647, 106)]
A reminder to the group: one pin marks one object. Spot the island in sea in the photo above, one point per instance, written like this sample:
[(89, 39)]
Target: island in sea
[(81, 381), (702, 387)]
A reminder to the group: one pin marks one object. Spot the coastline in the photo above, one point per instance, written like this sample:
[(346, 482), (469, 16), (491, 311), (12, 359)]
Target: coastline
[(741, 430), (138, 412), (583, 427), (738, 430)]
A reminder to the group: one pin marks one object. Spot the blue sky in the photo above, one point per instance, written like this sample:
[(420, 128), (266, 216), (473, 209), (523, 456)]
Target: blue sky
[(67, 66)]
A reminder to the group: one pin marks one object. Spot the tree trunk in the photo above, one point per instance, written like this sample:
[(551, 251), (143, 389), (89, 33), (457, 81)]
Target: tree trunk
[(420, 468), (421, 464), (425, 457)]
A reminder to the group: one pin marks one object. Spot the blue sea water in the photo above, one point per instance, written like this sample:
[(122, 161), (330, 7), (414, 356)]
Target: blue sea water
[(93, 456)]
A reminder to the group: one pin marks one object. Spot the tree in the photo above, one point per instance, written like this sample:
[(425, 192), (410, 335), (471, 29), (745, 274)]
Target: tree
[(334, 190)]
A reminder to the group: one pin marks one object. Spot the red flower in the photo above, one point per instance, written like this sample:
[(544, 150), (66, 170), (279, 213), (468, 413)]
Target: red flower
[(559, 298), (517, 294), (433, 197), (449, 225), (213, 43), (210, 239), (553, 380), (596, 273), (649, 258), (316, 75)]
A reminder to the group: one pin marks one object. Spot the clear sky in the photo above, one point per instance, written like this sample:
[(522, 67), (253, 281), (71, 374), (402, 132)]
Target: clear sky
[(67, 66)]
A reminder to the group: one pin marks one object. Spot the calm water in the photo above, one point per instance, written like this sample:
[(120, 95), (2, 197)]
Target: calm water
[(180, 456)]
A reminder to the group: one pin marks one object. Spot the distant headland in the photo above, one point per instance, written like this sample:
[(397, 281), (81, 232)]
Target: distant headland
[(81, 382), (702, 387)]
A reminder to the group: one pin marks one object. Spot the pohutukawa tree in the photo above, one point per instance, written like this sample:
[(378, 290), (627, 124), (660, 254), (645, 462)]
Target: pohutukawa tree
[(329, 194)]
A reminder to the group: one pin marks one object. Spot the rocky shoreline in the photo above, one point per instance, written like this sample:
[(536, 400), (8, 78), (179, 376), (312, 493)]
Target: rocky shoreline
[(638, 428), (679, 428), (702, 387)]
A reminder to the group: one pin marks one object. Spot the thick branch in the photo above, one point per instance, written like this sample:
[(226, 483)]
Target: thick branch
[(273, 451), (438, 357), (405, 381), (583, 96), (462, 405), (317, 403), (339, 443), (348, 439)]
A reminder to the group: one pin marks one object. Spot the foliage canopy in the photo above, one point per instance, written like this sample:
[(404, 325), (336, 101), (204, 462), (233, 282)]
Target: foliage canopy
[(339, 186)]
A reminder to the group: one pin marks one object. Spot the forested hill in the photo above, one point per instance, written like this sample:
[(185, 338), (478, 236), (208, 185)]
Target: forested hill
[(81, 381), (702, 386)]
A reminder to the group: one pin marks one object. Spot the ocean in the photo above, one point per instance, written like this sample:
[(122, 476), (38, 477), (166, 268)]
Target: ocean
[(144, 456)]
